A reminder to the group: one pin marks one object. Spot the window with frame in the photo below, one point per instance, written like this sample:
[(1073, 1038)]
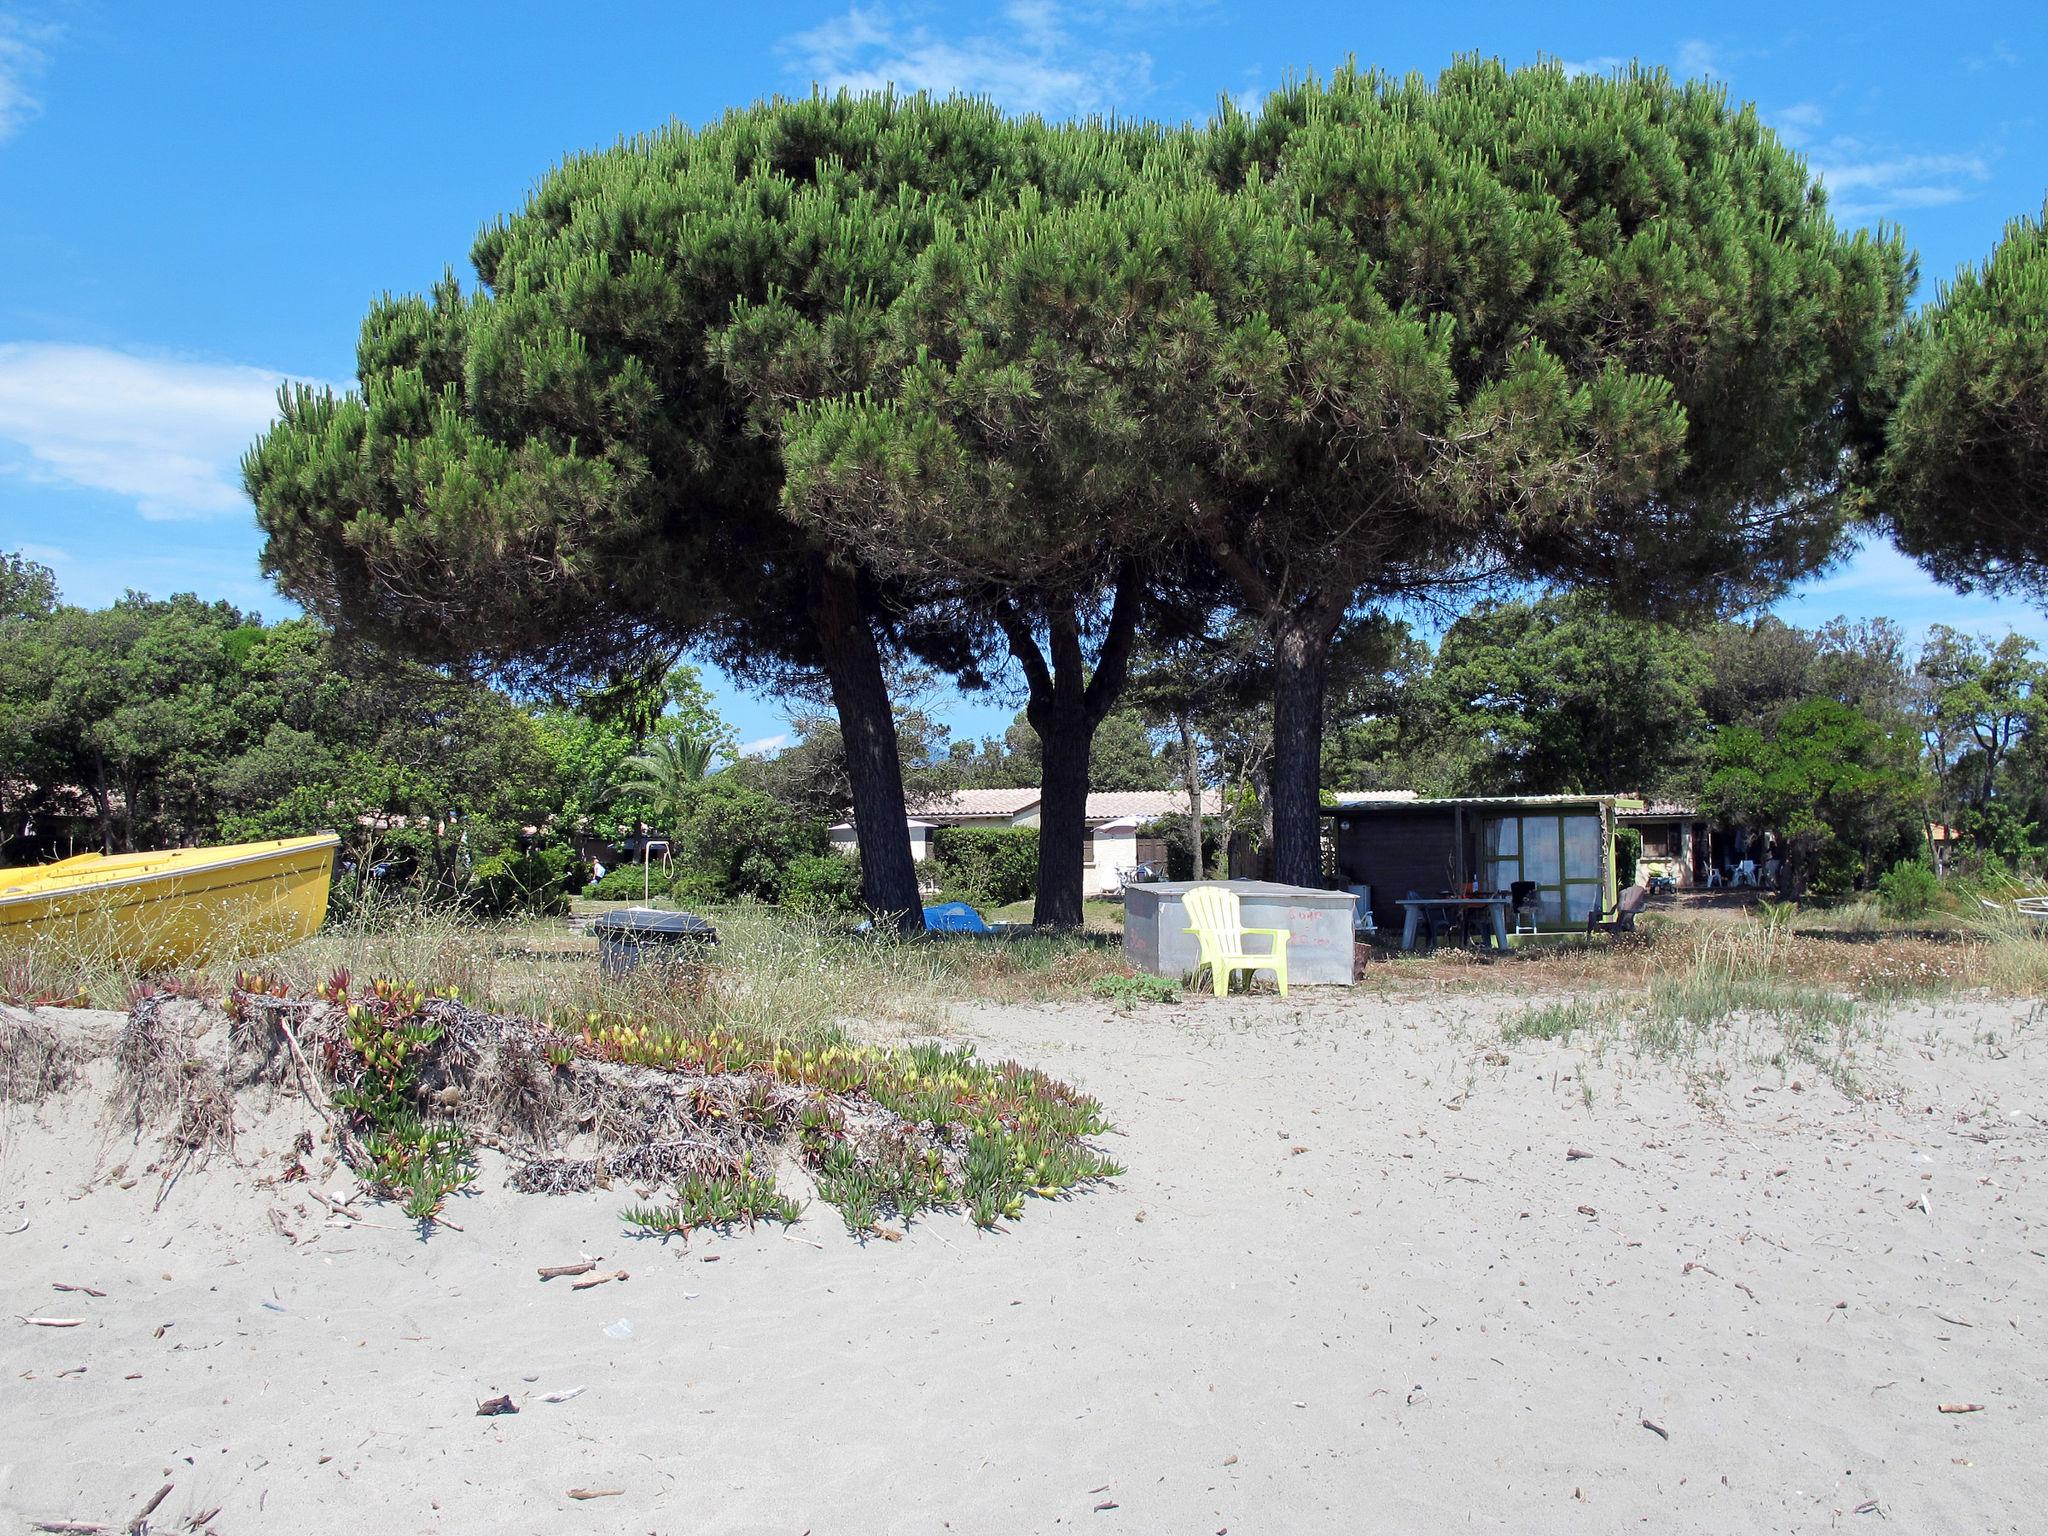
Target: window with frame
[(1559, 853)]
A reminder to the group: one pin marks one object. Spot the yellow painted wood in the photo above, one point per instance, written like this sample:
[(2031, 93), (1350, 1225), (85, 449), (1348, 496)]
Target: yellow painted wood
[(173, 906)]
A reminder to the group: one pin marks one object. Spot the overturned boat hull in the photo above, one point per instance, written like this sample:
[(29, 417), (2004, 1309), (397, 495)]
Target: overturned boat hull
[(171, 907)]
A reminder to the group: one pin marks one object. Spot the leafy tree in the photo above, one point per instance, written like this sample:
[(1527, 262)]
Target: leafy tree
[(736, 842), (1593, 330), (28, 590), (1966, 466), (577, 469), (1984, 708), (662, 776), (1560, 694), (811, 774), (1841, 795), (992, 451)]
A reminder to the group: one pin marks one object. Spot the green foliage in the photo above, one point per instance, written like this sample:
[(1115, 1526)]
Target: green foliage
[(1967, 456), (413, 1159), (178, 721), (821, 882), (1560, 694), (629, 882), (739, 841), (662, 776), (987, 866), (1122, 756), (535, 880), (717, 1201), (1139, 987), (1628, 853), (1841, 793), (28, 590), (1908, 889)]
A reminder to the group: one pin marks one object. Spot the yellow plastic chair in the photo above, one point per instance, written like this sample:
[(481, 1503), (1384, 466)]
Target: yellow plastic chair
[(1221, 934)]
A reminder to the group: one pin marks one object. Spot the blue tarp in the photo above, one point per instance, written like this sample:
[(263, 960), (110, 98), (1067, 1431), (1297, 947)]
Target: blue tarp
[(953, 917)]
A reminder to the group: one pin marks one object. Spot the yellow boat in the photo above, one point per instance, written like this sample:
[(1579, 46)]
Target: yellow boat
[(167, 908)]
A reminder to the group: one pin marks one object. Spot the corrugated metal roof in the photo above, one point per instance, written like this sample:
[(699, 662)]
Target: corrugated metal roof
[(1462, 802), (1657, 810)]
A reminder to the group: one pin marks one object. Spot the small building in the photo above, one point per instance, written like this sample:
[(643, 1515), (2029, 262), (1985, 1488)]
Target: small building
[(1111, 844), (1398, 843), (1677, 840)]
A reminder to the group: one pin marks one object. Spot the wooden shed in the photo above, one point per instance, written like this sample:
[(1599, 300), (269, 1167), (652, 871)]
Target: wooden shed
[(1562, 844)]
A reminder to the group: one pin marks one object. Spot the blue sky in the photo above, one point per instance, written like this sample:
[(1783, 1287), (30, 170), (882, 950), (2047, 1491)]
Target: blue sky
[(199, 200)]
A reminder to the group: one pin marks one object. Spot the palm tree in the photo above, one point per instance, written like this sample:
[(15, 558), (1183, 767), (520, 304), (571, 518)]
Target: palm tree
[(663, 774)]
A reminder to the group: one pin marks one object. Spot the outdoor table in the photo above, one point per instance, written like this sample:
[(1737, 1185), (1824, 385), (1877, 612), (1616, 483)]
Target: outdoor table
[(1415, 906)]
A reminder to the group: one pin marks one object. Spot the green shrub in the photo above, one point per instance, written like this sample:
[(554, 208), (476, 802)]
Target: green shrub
[(821, 882), (538, 880), (1908, 889), (1835, 872), (1628, 855), (988, 866), (734, 841), (628, 883)]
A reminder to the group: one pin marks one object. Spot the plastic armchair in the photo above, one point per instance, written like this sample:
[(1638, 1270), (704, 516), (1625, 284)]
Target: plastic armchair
[(1220, 933), (1745, 874)]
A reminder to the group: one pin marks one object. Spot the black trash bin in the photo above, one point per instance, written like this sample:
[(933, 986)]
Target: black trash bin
[(626, 940)]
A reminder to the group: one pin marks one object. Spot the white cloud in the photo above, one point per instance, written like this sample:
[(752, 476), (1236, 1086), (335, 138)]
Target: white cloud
[(768, 746), (1866, 180), (1029, 62), (2001, 56), (1797, 123), (1605, 64), (1863, 183), (1696, 57), (21, 59), (167, 435)]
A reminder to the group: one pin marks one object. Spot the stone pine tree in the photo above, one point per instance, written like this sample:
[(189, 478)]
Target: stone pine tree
[(560, 474), (1599, 331), (1007, 464), (1965, 483)]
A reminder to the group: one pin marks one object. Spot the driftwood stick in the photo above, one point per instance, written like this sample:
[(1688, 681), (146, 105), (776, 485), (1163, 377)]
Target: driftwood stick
[(556, 1271), (604, 1279), (141, 1521), (80, 1526)]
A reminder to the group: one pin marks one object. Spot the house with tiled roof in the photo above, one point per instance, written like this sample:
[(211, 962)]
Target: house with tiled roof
[(1110, 845)]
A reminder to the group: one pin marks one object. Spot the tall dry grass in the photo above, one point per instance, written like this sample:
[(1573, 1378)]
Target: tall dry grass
[(774, 973)]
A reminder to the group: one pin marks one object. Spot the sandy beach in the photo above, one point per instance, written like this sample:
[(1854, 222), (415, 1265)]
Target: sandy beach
[(1355, 1278)]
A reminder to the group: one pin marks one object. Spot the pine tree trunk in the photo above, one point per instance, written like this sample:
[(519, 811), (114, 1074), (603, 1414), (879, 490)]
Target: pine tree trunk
[(1301, 670), (1065, 736), (860, 694), (1065, 706)]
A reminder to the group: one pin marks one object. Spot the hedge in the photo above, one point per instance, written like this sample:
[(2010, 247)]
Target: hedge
[(988, 866)]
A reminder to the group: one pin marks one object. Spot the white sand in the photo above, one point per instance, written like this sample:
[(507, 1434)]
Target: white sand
[(1324, 1299)]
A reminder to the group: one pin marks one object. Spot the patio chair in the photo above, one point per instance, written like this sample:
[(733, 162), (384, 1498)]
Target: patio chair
[(1527, 903), (1362, 925), (1745, 874), (1621, 917), (1220, 933)]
